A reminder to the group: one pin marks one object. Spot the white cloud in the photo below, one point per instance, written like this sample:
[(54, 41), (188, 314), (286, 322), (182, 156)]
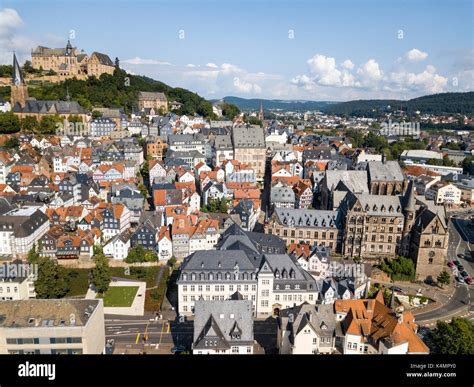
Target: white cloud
[(416, 55), (246, 87), (191, 65), (370, 73), (212, 65), (324, 69), (141, 61), (427, 81), (347, 64), (9, 22)]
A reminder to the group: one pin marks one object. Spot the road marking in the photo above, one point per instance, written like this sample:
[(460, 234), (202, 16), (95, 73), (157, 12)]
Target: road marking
[(138, 336)]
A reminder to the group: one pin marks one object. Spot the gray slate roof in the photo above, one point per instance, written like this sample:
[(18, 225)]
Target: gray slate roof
[(385, 171), (308, 218), (222, 324)]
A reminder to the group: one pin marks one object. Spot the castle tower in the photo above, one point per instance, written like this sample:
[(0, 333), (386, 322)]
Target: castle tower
[(19, 90), (409, 209), (68, 48)]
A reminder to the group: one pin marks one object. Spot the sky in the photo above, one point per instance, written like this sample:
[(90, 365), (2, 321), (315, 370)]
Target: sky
[(313, 50)]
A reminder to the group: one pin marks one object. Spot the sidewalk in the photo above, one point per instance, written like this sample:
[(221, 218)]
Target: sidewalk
[(440, 296)]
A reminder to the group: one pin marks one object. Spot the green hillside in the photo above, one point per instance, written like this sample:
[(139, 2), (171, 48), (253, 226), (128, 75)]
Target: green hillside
[(117, 90)]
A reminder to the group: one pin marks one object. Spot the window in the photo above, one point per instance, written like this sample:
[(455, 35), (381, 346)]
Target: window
[(235, 349)]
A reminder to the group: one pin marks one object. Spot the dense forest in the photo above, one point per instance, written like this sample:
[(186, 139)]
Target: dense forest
[(438, 104)]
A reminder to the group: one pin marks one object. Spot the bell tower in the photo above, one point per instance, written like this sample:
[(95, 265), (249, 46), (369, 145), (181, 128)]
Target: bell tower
[(19, 90)]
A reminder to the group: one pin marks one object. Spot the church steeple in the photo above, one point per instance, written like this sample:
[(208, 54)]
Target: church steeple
[(260, 114), (17, 77), (19, 91)]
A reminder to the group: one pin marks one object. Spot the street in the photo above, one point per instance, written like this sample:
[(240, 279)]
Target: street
[(140, 332)]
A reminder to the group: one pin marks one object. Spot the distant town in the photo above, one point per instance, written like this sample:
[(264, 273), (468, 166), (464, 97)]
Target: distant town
[(148, 220)]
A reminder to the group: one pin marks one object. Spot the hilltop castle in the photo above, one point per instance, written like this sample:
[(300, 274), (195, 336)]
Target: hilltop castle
[(69, 62), (23, 106)]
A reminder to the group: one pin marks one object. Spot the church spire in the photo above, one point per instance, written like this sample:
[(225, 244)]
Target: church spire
[(19, 90), (17, 78), (68, 48)]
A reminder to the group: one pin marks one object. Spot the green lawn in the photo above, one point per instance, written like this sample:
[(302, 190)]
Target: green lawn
[(78, 281), (120, 296)]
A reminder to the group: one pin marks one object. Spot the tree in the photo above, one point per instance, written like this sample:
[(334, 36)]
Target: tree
[(454, 338), (444, 278), (434, 162), (12, 142), (96, 114), (467, 165), (9, 123), (229, 110), (140, 254), (30, 124), (399, 269), (50, 282), (33, 256), (223, 206), (100, 274), (28, 68), (171, 262), (50, 124)]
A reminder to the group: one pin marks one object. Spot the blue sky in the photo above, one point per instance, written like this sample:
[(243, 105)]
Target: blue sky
[(319, 50)]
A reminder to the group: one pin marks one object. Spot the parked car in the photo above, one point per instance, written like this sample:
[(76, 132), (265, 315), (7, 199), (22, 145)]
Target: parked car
[(450, 264), (460, 256), (457, 263), (110, 346), (178, 349), (460, 279), (464, 274), (468, 280)]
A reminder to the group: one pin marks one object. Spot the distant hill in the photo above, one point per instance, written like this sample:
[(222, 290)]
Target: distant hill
[(444, 103), (287, 105)]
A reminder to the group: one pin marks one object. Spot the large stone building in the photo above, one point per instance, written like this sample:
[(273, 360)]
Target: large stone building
[(385, 177), (396, 225), (254, 267), (314, 227), (249, 148), (69, 62), (23, 106), (151, 100), (372, 227), (425, 236)]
